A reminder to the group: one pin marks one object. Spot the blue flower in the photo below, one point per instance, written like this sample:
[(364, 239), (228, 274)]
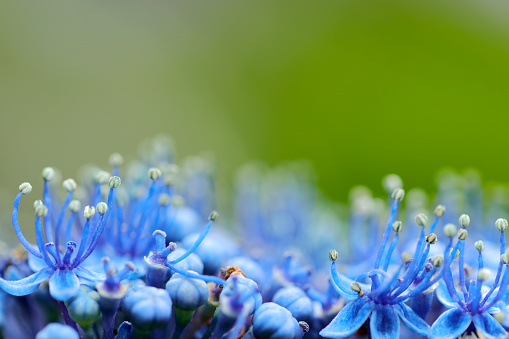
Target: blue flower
[(62, 269), (57, 331), (272, 321), (470, 308), (383, 301)]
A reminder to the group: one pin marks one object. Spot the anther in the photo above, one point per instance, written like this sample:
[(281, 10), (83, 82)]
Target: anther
[(213, 216), (116, 160), (177, 201), (449, 230), (356, 287), (479, 245), (164, 199), (48, 173), (437, 260), (89, 212), (75, 206), (25, 188), (305, 327), (421, 219), (462, 234), (172, 246), (37, 203), (114, 182), (154, 173), (333, 255), (398, 194), (464, 220), (69, 185), (504, 258), (391, 182), (102, 208), (431, 238), (102, 177), (484, 274), (41, 211), (396, 226), (407, 257), (501, 224), (439, 211), (428, 267)]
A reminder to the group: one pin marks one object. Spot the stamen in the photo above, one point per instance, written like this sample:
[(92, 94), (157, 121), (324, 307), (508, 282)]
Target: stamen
[(24, 188), (71, 246), (40, 212)]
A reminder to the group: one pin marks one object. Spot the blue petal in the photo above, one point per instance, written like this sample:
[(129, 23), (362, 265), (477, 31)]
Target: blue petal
[(349, 319), (63, 284), (488, 326), (27, 285), (445, 298), (384, 322), (451, 324), (124, 331), (89, 276), (35, 263), (411, 320)]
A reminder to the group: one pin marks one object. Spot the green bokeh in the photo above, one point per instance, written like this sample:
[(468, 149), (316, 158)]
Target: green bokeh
[(360, 88)]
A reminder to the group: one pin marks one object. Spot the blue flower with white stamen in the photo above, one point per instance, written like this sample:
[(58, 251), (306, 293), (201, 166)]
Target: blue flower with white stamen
[(62, 269), (383, 301)]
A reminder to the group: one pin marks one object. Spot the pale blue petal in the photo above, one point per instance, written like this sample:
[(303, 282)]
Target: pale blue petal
[(27, 285), (445, 298), (63, 285), (384, 322), (35, 263), (451, 324), (411, 320), (349, 319), (488, 326), (89, 277)]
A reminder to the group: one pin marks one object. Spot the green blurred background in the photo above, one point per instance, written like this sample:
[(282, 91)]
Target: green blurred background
[(360, 88)]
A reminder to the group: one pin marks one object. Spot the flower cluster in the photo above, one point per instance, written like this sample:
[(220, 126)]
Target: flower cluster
[(135, 252)]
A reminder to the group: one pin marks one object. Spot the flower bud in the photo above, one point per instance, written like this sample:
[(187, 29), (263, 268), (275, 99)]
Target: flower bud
[(25, 188), (398, 194), (57, 331), (75, 206), (41, 211), (356, 287), (69, 185), (479, 245), (102, 208), (295, 300), (213, 216), (164, 199), (450, 230), (462, 234), (114, 182), (504, 258), (148, 308), (84, 307), (439, 211), (464, 220), (89, 212), (37, 203), (501, 224), (333, 255), (484, 274), (437, 260), (431, 238), (187, 293), (102, 177), (421, 219), (48, 173), (396, 226), (116, 160), (274, 321), (154, 173)]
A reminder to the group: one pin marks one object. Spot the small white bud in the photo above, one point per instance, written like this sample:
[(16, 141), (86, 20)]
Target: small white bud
[(421, 219), (439, 211), (154, 173), (431, 238), (398, 194), (164, 199), (102, 208), (48, 173), (75, 206), (391, 182), (504, 258), (333, 255), (462, 234), (116, 160), (437, 260), (25, 188), (356, 287), (37, 203), (213, 216), (464, 220), (449, 230), (41, 211), (114, 182), (396, 226), (479, 245), (102, 177), (501, 224), (69, 185), (89, 212), (484, 274)]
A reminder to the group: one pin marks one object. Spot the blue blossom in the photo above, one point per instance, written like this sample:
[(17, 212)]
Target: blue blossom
[(471, 306), (383, 301), (271, 321), (57, 331), (62, 269)]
